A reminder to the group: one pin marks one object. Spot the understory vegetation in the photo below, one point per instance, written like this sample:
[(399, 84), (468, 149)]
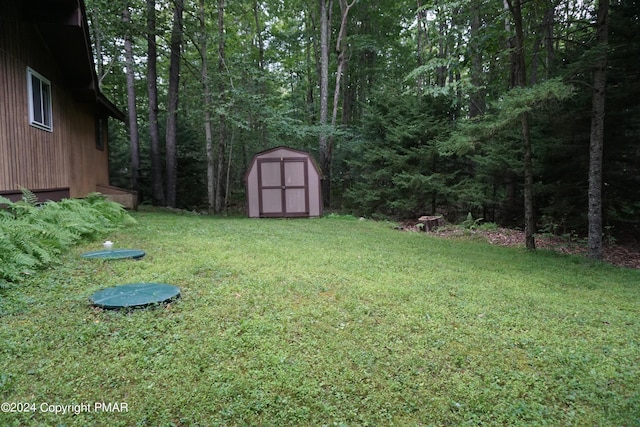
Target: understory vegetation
[(34, 235), (330, 321), (421, 113)]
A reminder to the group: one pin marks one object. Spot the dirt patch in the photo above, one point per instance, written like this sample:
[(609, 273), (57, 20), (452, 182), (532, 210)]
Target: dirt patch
[(620, 254)]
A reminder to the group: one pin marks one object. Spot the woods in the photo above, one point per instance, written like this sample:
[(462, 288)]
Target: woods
[(411, 108)]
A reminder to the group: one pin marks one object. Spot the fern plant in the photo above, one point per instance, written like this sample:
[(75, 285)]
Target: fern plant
[(28, 197), (33, 235)]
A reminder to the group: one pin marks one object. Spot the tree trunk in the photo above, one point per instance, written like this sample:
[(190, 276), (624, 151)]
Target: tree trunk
[(549, 21), (520, 79), (477, 100), (227, 185), (441, 72), (157, 198), (96, 36), (340, 51), (422, 38), (134, 142), (597, 136), (325, 159), (171, 143), (206, 93), (221, 117), (262, 129), (312, 59), (529, 215)]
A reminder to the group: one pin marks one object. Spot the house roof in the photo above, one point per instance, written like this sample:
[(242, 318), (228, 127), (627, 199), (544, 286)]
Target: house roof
[(64, 29)]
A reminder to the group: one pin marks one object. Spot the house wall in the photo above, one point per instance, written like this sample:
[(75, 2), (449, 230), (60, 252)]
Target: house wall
[(34, 158)]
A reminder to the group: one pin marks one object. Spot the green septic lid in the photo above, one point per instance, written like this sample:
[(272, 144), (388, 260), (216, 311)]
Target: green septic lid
[(135, 295), (114, 254)]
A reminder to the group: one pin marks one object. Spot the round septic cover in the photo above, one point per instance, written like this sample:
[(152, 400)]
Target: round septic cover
[(114, 254), (135, 295)]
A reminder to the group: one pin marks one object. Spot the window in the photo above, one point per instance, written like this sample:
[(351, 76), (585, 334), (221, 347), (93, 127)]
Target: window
[(39, 101)]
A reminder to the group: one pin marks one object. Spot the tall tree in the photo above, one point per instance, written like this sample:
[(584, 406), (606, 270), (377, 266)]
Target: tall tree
[(477, 99), (259, 124), (597, 134), (341, 47), (325, 156), (206, 93), (131, 101), (520, 79), (221, 117), (157, 184), (172, 105)]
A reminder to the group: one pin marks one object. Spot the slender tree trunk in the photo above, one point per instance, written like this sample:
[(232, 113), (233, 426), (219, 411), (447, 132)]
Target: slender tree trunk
[(171, 142), (221, 117), (256, 18), (227, 185), (421, 41), (529, 215), (533, 79), (520, 79), (543, 39), (342, 64), (549, 21), (311, 51), (157, 198), (206, 93), (596, 142), (477, 100), (325, 159), (262, 129), (96, 36), (441, 72), (134, 142)]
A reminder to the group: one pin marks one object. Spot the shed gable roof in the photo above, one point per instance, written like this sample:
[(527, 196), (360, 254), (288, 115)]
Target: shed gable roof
[(283, 147)]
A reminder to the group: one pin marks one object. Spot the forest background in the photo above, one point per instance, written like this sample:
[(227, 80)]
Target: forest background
[(410, 107)]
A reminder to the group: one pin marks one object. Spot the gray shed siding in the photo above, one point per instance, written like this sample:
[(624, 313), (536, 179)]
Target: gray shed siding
[(283, 182)]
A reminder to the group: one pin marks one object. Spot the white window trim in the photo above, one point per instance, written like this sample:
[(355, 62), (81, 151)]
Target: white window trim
[(47, 111)]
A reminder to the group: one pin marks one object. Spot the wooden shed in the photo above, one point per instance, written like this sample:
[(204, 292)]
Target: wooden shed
[(283, 182)]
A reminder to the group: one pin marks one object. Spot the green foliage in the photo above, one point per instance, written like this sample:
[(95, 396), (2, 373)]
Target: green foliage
[(396, 169), (504, 114), (33, 236), (28, 197), (470, 223), (393, 155)]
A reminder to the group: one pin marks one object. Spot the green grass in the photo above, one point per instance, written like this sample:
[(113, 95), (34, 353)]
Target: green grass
[(330, 321)]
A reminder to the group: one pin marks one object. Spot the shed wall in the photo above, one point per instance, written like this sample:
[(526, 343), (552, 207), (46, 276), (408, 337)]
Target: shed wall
[(270, 204)]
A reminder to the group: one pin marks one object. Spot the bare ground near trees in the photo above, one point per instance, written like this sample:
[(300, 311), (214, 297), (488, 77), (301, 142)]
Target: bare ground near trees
[(622, 254)]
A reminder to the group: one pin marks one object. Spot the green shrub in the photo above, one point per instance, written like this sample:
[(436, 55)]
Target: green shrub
[(33, 235)]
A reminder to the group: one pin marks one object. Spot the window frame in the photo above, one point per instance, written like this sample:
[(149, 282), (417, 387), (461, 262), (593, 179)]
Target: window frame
[(44, 104)]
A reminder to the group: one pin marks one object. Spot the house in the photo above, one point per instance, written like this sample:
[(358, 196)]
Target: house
[(53, 117), (283, 182)]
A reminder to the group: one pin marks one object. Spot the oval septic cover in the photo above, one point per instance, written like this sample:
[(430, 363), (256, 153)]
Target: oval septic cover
[(135, 295), (114, 254)]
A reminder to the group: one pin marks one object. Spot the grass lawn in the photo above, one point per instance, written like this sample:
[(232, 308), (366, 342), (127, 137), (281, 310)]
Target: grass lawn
[(330, 321)]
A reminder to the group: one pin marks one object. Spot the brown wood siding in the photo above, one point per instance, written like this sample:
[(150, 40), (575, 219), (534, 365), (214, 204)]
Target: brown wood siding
[(88, 165), (30, 157)]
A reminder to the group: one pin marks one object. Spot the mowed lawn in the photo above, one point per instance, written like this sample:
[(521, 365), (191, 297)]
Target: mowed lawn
[(330, 321)]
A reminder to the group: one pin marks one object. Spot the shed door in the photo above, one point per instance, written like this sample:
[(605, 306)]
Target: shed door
[(283, 187)]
